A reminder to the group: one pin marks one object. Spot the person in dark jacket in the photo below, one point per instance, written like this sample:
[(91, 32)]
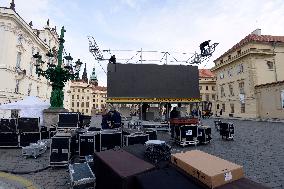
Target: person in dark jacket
[(115, 119), (174, 113), (106, 120)]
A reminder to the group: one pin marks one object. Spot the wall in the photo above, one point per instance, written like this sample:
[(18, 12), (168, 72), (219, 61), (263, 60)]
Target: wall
[(269, 101)]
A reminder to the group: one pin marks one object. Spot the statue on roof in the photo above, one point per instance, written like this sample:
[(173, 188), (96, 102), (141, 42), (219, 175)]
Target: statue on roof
[(12, 5)]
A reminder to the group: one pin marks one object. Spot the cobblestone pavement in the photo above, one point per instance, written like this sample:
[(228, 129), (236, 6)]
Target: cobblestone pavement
[(258, 147), (12, 161)]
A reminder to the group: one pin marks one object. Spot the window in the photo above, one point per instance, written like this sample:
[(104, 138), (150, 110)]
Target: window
[(77, 96), (78, 90), (82, 90), (206, 88), (221, 61), (222, 91), (19, 57), (282, 98), (223, 107), (31, 68), (29, 89), (218, 106), (221, 75), (229, 57), (240, 68), (78, 104), (37, 89), (102, 100), (82, 97), (213, 88), (231, 89), (82, 104), (20, 40), (241, 87), (269, 65), (72, 96), (96, 105), (207, 97), (72, 104), (73, 90), (213, 96), (232, 108), (230, 72), (87, 104), (94, 100), (243, 107), (87, 111), (88, 98)]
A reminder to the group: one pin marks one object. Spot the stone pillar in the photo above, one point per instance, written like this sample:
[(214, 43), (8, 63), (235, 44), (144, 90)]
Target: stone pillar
[(50, 116)]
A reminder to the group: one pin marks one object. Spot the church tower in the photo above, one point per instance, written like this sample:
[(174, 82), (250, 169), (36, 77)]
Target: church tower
[(85, 76), (93, 78)]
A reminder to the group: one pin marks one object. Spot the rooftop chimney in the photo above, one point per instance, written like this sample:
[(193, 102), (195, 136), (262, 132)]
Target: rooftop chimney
[(256, 32)]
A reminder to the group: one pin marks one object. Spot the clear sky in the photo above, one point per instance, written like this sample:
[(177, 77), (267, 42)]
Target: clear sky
[(161, 25)]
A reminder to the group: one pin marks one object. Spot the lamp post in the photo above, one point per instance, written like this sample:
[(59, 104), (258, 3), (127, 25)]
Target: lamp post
[(58, 74)]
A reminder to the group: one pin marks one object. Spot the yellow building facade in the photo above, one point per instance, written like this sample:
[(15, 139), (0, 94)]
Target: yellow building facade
[(255, 60), (207, 88), (87, 97)]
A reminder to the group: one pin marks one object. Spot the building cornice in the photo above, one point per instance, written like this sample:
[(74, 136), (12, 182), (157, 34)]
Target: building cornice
[(269, 84), (10, 14), (250, 51)]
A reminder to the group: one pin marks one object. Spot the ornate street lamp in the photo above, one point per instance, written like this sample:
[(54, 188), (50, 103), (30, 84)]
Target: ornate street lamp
[(58, 74)]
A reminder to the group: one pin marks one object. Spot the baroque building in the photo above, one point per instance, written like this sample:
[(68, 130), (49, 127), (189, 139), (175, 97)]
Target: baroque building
[(255, 60), (207, 88), (19, 41), (86, 96)]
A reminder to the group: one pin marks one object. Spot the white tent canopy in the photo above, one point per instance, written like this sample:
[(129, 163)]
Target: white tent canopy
[(30, 106)]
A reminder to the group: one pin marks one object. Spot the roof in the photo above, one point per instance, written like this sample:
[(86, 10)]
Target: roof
[(254, 38), (205, 73), (100, 88), (270, 84)]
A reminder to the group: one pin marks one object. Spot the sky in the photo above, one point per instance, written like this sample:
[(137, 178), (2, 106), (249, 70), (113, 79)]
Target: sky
[(174, 26)]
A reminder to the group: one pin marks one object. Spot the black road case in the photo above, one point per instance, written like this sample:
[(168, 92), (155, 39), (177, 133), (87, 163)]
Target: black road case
[(8, 139), (29, 137), (87, 143), (204, 134), (152, 133), (81, 176), (26, 124), (186, 134), (60, 150), (136, 138), (68, 120), (227, 130), (110, 138), (217, 124), (8, 125)]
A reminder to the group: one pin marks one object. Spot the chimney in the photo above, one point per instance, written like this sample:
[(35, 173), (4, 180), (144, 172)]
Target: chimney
[(256, 32)]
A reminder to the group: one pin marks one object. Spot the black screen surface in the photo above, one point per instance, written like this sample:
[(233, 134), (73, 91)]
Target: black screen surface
[(152, 81)]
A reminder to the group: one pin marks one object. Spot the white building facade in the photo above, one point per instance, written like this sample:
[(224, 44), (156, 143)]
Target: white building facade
[(18, 43)]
